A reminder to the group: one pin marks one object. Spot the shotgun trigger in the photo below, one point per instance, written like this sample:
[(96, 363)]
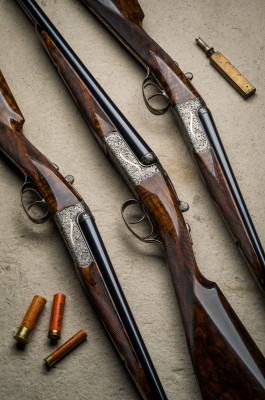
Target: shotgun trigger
[(150, 81), (41, 213), (152, 236)]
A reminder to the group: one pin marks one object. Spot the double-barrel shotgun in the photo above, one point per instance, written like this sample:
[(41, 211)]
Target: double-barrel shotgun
[(226, 360), (194, 120), (47, 189)]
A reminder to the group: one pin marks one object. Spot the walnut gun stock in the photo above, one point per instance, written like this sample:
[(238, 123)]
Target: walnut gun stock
[(124, 19), (78, 229), (227, 362)]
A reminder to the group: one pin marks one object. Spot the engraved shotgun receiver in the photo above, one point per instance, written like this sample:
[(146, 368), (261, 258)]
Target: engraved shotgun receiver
[(124, 19), (227, 362), (56, 195)]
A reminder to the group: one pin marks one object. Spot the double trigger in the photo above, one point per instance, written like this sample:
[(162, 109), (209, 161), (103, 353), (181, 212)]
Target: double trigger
[(152, 235), (157, 101), (156, 93), (33, 203)]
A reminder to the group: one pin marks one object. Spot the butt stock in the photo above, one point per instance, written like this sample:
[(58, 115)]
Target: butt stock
[(226, 360), (56, 191), (124, 20), (9, 110)]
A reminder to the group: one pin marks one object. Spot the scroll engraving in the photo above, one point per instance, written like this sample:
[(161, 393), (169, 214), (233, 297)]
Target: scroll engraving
[(66, 221), (187, 115), (127, 162)]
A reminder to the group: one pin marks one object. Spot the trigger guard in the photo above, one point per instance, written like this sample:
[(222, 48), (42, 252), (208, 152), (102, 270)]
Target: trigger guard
[(150, 81), (146, 238), (29, 187), (129, 203)]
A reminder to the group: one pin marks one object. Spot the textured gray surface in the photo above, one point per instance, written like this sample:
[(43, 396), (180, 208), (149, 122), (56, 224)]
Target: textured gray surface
[(34, 259)]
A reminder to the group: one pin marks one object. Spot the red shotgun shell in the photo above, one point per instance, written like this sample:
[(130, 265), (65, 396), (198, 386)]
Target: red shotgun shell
[(56, 320), (25, 331), (65, 348)]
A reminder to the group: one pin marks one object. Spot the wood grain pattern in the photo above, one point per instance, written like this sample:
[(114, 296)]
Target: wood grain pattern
[(9, 110), (94, 115), (57, 192), (218, 187), (226, 360), (124, 18), (102, 302)]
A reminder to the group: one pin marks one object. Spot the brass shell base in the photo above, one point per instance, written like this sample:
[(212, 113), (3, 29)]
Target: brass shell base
[(49, 361), (23, 335), (54, 334)]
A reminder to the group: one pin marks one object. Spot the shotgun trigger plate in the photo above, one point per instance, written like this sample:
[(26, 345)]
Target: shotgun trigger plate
[(152, 236), (158, 92), (33, 203)]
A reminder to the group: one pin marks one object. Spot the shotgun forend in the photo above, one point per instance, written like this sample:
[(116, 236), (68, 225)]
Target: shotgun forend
[(226, 360), (79, 232), (124, 19)]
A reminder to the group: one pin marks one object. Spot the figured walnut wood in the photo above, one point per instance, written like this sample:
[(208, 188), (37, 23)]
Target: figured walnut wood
[(216, 182), (124, 19), (228, 364), (103, 303), (9, 110), (94, 115), (57, 192)]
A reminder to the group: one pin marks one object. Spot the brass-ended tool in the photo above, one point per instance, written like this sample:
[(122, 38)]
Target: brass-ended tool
[(231, 74)]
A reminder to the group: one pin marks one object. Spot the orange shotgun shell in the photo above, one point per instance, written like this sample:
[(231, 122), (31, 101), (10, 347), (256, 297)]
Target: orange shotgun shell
[(25, 330), (56, 320), (65, 348)]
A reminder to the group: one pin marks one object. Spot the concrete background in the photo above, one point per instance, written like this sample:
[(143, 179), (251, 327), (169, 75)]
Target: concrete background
[(34, 259)]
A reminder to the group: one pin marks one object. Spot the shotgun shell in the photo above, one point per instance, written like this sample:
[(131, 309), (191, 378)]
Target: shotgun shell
[(65, 348), (25, 330), (56, 320)]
